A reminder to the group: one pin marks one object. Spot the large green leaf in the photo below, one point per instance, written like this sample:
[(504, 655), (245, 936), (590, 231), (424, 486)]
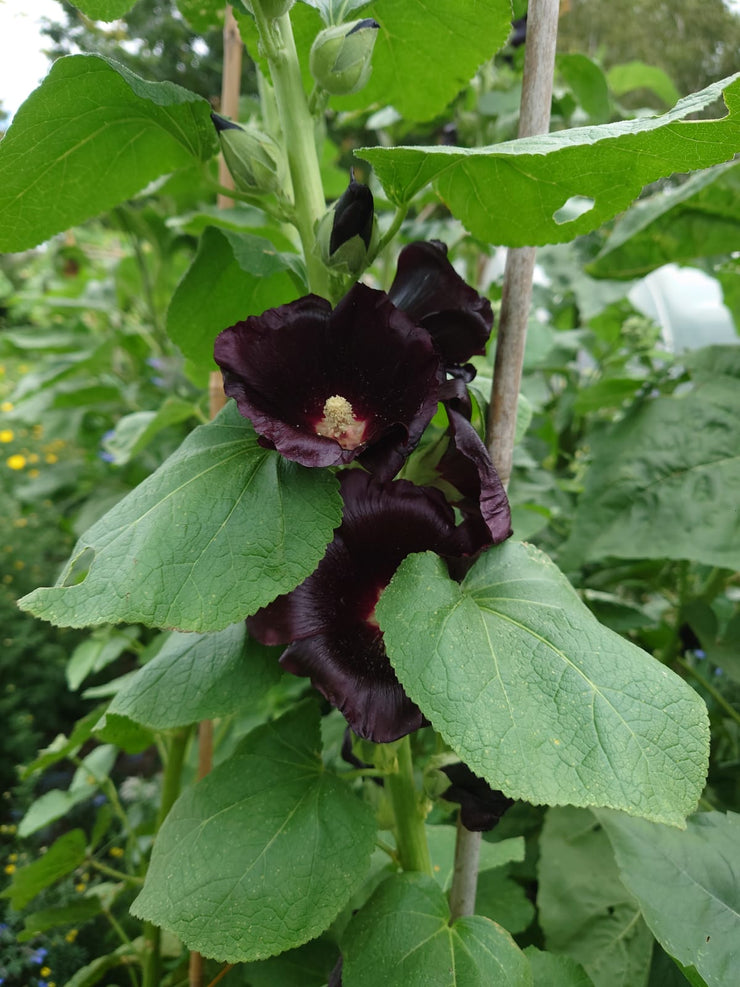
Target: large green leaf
[(509, 193), (232, 276), (688, 887), (427, 51), (261, 855), (219, 530), (403, 937), (104, 10), (92, 135), (664, 482), (699, 218), (535, 695), (556, 970), (60, 859), (196, 677), (584, 909)]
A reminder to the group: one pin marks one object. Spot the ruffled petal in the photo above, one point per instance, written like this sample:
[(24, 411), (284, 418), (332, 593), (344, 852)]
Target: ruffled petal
[(429, 289), (329, 619), (483, 503), (323, 387)]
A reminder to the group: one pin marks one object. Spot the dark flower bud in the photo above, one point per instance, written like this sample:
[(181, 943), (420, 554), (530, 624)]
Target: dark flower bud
[(255, 161), (347, 230), (271, 8), (481, 807), (340, 58)]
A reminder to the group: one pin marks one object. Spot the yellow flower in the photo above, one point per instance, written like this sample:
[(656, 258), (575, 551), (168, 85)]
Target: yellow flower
[(7, 435), (12, 857), (116, 851), (33, 457), (45, 971), (51, 458), (19, 564), (37, 431), (6, 406), (72, 935), (20, 522), (32, 474), (81, 887), (16, 462), (10, 868)]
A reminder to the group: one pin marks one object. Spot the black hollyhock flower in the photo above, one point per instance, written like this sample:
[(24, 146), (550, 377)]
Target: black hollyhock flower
[(482, 500), (326, 387), (429, 289), (329, 619), (481, 806)]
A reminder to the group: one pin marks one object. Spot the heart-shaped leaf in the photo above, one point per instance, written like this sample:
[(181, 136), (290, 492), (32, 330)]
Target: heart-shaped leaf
[(513, 193), (92, 135), (261, 855), (535, 695), (403, 936), (219, 530)]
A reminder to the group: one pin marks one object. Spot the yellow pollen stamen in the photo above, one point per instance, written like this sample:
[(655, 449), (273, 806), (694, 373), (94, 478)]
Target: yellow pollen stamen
[(339, 423)]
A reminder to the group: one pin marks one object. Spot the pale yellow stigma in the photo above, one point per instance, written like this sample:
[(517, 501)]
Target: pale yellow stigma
[(339, 423)]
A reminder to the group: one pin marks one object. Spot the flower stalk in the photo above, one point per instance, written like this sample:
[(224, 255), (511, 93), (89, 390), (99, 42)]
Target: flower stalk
[(298, 135), (411, 840), (170, 790)]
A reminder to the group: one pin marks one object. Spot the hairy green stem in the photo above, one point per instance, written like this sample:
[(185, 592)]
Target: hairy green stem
[(298, 138), (119, 875), (170, 790), (411, 840)]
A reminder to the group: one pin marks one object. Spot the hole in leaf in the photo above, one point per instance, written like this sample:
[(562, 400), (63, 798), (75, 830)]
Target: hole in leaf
[(575, 207), (78, 568)]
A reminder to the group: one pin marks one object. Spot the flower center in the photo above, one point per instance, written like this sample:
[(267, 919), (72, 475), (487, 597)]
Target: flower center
[(339, 423)]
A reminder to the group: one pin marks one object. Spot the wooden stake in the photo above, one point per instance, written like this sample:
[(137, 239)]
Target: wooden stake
[(539, 67)]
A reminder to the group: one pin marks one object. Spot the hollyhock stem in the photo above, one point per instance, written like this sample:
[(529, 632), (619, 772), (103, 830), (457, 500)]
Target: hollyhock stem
[(170, 790), (298, 137), (411, 840)]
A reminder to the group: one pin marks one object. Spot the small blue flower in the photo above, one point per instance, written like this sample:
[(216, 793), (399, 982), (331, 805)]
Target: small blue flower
[(698, 653), (39, 955)]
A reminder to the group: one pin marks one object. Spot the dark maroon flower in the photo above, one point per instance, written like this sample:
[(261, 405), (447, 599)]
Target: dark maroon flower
[(329, 619), (481, 807), (325, 387), (482, 500), (429, 289)]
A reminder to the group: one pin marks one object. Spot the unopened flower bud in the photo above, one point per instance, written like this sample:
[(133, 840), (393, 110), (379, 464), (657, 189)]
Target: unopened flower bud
[(254, 159), (340, 58), (347, 230)]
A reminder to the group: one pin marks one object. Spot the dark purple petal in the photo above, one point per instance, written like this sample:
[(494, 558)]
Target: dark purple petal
[(329, 619), (483, 503), (429, 289), (324, 386), (481, 807)]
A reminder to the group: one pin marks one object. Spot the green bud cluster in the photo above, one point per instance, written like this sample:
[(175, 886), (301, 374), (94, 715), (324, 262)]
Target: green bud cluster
[(340, 58)]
